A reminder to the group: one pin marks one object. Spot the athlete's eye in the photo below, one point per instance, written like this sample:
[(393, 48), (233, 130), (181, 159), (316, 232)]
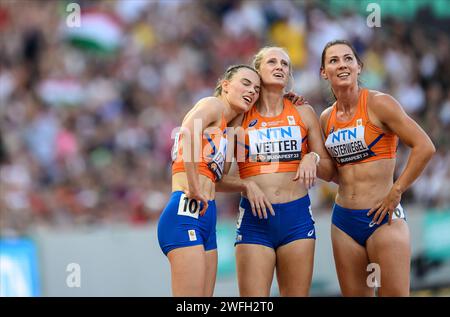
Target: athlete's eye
[(333, 60), (348, 58)]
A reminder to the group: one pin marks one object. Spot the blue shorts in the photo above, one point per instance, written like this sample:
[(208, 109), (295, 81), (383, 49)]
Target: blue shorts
[(180, 224), (292, 221), (356, 223)]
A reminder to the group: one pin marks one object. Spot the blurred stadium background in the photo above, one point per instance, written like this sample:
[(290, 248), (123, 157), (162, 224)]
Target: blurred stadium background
[(86, 115)]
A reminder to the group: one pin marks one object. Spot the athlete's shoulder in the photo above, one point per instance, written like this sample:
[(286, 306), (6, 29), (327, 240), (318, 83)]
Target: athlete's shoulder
[(305, 109), (211, 103), (207, 109), (326, 113), (328, 109), (380, 101), (325, 117), (375, 95), (384, 107), (307, 114)]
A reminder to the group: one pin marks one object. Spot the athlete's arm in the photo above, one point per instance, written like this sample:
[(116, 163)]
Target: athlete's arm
[(391, 114), (324, 116), (231, 182), (308, 170), (200, 117), (256, 197), (232, 128)]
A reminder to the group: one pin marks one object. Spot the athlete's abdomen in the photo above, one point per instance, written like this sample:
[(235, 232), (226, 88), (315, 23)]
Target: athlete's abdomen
[(279, 187), (363, 185), (207, 186)]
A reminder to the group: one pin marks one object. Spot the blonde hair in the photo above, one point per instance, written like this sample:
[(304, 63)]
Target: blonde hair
[(228, 75), (257, 59)]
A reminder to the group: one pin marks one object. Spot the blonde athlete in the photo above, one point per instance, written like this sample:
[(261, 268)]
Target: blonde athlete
[(283, 147)]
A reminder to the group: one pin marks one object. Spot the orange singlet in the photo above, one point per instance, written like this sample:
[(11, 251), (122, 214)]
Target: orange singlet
[(280, 139), (358, 140), (212, 157)]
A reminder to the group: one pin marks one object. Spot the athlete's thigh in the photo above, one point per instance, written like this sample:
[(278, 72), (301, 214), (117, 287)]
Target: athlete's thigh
[(255, 265), (389, 247), (351, 262), (188, 268), (211, 272), (295, 262)]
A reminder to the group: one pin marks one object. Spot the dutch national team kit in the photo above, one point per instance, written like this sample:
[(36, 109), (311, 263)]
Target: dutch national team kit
[(180, 224), (354, 142), (274, 145)]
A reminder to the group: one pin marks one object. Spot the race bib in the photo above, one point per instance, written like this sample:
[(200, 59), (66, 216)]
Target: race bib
[(188, 207), (175, 146), (398, 212), (282, 144), (348, 145), (217, 162)]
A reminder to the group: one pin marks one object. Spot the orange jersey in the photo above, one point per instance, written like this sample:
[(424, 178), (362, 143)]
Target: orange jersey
[(212, 156), (358, 140), (273, 144)]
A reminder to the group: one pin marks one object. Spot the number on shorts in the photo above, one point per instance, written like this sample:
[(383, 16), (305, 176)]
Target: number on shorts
[(188, 207)]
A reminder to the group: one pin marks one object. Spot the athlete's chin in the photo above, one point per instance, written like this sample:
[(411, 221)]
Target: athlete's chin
[(343, 83), (240, 108)]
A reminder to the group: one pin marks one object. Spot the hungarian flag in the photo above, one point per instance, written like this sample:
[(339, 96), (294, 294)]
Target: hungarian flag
[(99, 32), (61, 91)]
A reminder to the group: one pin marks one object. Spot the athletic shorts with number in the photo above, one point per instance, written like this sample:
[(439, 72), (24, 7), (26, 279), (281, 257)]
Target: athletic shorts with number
[(180, 224), (356, 223), (292, 221)]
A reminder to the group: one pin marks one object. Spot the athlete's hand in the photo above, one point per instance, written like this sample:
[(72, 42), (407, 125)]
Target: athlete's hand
[(387, 205), (297, 100), (196, 195), (258, 200), (307, 171)]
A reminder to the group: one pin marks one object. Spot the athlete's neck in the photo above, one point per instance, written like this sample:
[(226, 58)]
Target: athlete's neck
[(347, 98), (270, 102), (228, 113)]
